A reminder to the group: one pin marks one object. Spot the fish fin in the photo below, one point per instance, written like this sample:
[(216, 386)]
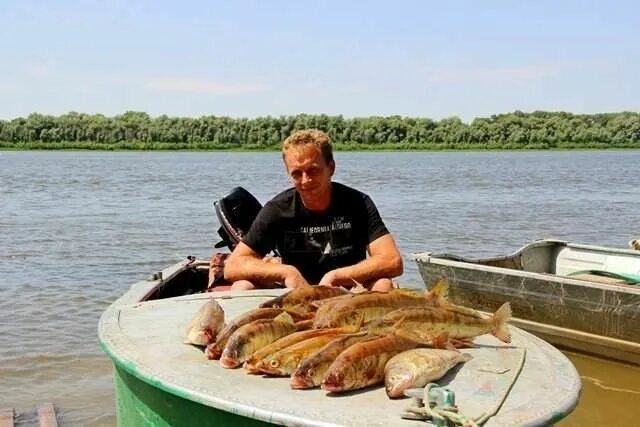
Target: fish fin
[(439, 292), (414, 335), (359, 287), (406, 291), (441, 341), (467, 311), (500, 319), (298, 313), (283, 317), (463, 343), (397, 325), (466, 357)]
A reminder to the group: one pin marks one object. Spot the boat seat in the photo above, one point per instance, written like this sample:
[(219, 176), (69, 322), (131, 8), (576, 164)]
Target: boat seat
[(598, 279), (607, 277)]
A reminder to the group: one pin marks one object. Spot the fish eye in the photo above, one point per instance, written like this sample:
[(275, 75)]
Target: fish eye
[(274, 363), (310, 372)]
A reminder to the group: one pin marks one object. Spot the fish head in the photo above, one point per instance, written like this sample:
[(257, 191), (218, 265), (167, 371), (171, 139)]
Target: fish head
[(200, 336), (309, 373), (230, 357), (301, 381), (269, 365), (211, 352), (346, 317), (334, 382), (396, 381)]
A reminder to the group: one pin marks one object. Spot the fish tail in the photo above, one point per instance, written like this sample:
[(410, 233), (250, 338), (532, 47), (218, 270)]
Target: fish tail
[(500, 319)]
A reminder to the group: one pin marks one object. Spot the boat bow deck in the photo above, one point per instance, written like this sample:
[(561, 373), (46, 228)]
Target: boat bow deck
[(145, 339)]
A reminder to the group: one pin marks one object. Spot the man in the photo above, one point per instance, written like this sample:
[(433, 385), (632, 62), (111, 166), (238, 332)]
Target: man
[(322, 230)]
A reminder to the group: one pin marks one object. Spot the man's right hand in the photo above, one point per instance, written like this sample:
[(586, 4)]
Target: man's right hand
[(294, 279)]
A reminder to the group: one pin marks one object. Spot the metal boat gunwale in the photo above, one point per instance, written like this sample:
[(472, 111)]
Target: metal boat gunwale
[(588, 314), (435, 258)]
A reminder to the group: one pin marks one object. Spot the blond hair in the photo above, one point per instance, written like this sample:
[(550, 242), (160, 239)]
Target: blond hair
[(314, 137)]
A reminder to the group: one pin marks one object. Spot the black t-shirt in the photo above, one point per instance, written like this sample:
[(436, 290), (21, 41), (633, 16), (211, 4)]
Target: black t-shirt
[(316, 243)]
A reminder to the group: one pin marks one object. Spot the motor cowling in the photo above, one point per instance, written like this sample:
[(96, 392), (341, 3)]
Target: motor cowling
[(236, 212)]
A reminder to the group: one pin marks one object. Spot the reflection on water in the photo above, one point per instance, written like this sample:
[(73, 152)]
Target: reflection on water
[(76, 228)]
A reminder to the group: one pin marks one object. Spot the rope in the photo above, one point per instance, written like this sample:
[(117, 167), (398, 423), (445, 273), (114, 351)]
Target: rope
[(447, 415), (484, 417)]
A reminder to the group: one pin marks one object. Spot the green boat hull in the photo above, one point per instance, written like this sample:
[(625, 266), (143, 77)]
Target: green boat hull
[(141, 404)]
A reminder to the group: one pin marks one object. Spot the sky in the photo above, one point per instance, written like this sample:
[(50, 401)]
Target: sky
[(356, 58)]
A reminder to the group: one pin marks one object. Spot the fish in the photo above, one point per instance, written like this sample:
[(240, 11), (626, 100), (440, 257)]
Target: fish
[(299, 300), (421, 324), (373, 305), (253, 336), (362, 364), (417, 367), (311, 371), (251, 364), (285, 361), (319, 303), (206, 324), (214, 350)]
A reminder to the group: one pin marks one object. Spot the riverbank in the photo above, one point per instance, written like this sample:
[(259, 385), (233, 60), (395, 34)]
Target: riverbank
[(162, 146)]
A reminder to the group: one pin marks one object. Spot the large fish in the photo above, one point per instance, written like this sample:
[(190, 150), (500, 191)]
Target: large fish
[(251, 364), (333, 300), (285, 361), (214, 350), (253, 336), (206, 324), (372, 305), (299, 300), (423, 323), (362, 364), (417, 367), (312, 370)]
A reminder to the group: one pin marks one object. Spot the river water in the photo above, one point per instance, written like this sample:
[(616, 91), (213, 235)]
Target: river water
[(77, 228)]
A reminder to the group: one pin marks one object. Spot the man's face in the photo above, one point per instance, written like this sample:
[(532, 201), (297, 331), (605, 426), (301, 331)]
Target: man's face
[(310, 175)]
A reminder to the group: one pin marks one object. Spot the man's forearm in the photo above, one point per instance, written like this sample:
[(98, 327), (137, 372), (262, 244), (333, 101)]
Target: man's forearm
[(367, 270), (255, 270)]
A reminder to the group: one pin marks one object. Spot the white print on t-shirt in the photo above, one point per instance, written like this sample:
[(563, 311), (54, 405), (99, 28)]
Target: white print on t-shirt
[(338, 223), (328, 240)]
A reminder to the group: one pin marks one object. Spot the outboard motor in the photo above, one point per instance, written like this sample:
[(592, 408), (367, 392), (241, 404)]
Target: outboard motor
[(236, 212)]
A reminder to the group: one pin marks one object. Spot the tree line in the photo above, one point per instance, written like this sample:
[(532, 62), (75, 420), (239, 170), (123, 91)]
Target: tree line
[(139, 131)]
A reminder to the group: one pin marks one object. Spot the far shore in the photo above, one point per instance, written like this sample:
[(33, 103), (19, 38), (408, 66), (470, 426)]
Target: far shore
[(160, 147)]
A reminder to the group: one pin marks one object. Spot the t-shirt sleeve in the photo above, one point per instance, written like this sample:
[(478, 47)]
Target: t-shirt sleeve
[(375, 225), (262, 235)]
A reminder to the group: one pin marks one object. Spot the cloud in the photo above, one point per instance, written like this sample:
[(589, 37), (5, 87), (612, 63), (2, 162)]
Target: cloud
[(496, 74), (201, 86)]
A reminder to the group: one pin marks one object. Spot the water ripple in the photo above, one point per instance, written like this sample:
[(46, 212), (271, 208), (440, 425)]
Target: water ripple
[(77, 228)]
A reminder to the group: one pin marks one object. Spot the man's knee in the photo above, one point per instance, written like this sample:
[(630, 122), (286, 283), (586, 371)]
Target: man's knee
[(382, 285), (242, 285)]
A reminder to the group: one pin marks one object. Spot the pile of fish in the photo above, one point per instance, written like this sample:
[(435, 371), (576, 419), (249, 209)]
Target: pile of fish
[(338, 340)]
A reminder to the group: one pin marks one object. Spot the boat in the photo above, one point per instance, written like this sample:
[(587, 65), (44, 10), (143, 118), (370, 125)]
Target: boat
[(582, 298), (161, 381)]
